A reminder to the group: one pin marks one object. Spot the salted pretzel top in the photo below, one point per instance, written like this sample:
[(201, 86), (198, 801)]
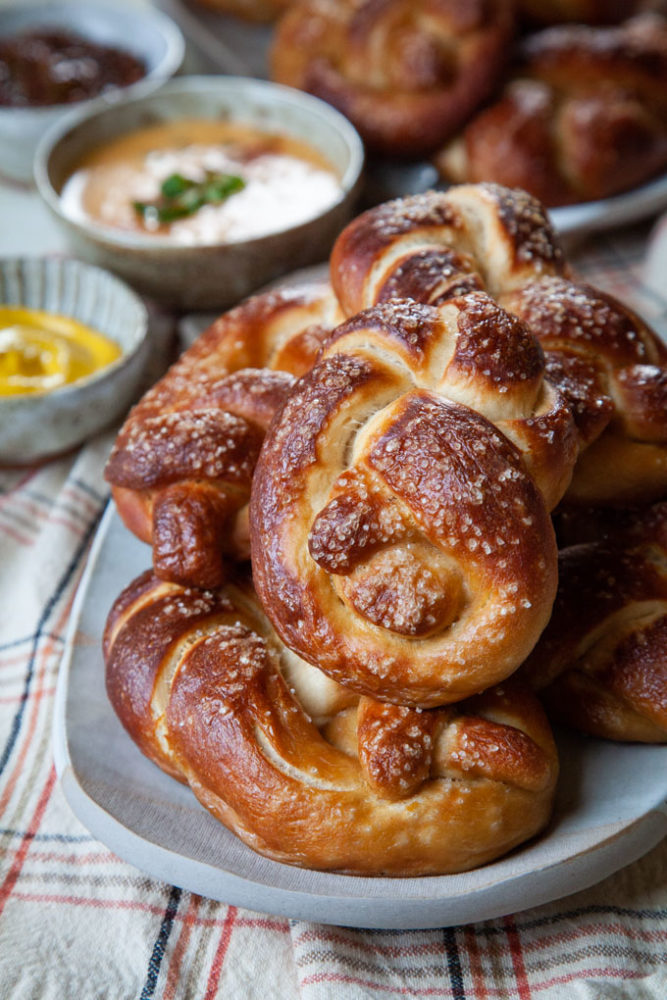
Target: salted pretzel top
[(431, 246), (182, 463), (407, 73), (305, 771), (612, 368), (605, 671), (397, 538), (606, 362)]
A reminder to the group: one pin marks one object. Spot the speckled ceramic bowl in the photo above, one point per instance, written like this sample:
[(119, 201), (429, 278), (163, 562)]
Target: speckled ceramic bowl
[(36, 426), (211, 276), (138, 29)]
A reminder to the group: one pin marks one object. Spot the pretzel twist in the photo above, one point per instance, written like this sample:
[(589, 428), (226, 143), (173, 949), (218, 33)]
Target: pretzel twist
[(608, 365), (306, 772), (605, 671), (398, 541), (407, 73), (612, 369), (182, 463), (583, 117)]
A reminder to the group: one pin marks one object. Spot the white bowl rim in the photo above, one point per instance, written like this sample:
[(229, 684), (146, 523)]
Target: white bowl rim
[(190, 84), (106, 371), (162, 72)]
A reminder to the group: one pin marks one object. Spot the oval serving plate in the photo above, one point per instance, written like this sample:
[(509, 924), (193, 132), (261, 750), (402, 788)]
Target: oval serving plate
[(610, 810)]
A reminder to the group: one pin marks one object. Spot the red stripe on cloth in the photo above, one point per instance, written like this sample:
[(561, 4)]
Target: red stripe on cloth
[(405, 991), (81, 497), (221, 951), (98, 904), (36, 694), (188, 922), (11, 532), (93, 857), (475, 962), (517, 958), (15, 870), (322, 936)]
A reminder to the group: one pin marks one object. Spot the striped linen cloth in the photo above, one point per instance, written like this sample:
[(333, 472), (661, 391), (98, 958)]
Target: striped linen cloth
[(77, 922)]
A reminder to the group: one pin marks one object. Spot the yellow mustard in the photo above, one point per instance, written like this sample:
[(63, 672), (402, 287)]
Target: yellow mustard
[(41, 351)]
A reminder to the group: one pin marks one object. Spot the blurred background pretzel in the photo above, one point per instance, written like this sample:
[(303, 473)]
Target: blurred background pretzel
[(407, 73)]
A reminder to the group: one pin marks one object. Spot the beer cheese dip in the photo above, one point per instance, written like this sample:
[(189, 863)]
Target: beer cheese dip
[(242, 182)]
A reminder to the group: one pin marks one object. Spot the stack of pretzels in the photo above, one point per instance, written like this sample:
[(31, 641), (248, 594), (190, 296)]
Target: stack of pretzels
[(392, 450)]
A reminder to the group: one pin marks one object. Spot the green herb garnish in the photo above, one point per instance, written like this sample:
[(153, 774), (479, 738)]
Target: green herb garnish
[(180, 196)]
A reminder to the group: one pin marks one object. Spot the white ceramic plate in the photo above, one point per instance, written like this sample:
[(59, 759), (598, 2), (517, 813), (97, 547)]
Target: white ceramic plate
[(611, 806)]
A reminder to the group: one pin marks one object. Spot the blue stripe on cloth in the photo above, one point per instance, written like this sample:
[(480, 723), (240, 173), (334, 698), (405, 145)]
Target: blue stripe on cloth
[(160, 944)]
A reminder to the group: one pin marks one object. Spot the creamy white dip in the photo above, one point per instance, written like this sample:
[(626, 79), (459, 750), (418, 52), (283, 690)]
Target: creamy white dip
[(286, 182)]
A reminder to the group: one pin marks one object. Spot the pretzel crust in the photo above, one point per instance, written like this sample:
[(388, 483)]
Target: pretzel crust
[(182, 464), (398, 541), (604, 671), (306, 772), (407, 73)]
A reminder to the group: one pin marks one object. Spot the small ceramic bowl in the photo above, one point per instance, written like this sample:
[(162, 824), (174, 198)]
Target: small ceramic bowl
[(36, 426), (209, 276), (138, 29)]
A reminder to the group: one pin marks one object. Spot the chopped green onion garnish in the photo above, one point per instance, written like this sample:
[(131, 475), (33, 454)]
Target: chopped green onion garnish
[(181, 196)]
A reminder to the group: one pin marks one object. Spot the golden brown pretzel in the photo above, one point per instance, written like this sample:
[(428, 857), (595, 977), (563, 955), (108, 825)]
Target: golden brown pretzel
[(431, 246), (601, 663), (607, 363), (398, 541), (584, 116), (407, 73), (306, 772), (183, 461), (612, 368)]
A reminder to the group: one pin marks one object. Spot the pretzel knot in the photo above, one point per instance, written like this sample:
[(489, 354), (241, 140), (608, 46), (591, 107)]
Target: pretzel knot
[(398, 540), (182, 463), (407, 74), (607, 364), (605, 672), (303, 770)]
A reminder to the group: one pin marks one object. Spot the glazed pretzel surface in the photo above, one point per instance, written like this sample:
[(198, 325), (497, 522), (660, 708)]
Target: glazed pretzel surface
[(182, 464), (584, 116), (407, 73), (306, 772), (398, 540), (601, 663), (604, 360), (612, 369)]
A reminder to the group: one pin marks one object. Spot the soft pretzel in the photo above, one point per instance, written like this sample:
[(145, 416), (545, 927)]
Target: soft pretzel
[(306, 772), (407, 73), (601, 663), (612, 368), (584, 116), (183, 461), (431, 246), (397, 538), (607, 363)]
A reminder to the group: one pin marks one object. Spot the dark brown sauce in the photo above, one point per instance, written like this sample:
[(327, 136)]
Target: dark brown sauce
[(41, 68)]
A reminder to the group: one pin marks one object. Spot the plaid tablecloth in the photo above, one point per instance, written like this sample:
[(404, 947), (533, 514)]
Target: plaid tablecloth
[(77, 922)]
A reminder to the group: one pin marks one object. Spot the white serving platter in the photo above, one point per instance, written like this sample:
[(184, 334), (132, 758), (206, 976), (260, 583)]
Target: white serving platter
[(611, 806)]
